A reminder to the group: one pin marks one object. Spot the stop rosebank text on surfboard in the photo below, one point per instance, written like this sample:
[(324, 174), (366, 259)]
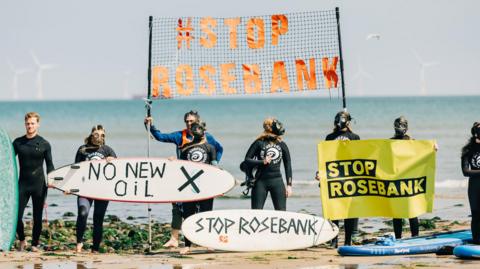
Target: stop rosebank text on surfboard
[(135, 172), (255, 225)]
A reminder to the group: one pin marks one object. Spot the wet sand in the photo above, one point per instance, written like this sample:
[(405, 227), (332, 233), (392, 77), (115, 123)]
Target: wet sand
[(310, 258)]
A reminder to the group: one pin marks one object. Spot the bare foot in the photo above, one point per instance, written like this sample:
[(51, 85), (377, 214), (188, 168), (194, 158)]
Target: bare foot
[(35, 249), (184, 251), (172, 243), (79, 247), (22, 245)]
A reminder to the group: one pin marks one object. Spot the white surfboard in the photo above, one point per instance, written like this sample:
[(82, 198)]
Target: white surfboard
[(257, 230), (143, 180)]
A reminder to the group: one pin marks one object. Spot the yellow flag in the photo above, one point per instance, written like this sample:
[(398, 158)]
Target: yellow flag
[(382, 177)]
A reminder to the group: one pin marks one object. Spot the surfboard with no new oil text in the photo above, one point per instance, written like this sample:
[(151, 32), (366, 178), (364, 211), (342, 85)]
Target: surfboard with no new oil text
[(142, 180)]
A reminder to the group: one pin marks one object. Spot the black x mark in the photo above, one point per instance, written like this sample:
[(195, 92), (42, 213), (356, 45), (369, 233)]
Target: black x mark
[(190, 180)]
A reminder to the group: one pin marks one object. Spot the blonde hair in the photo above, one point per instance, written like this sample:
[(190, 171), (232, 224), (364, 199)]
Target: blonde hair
[(267, 133), (32, 115)]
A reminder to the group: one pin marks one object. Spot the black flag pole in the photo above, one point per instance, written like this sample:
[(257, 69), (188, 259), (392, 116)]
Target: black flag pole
[(337, 11), (148, 106)]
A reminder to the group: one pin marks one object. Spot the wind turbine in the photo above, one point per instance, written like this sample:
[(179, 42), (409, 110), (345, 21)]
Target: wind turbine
[(40, 69), (423, 65), (16, 73), (360, 75)]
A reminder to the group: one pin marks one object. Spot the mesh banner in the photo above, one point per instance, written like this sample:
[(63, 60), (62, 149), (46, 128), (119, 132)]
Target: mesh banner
[(281, 53)]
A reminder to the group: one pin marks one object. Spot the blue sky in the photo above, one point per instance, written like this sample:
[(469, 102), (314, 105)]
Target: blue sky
[(101, 46)]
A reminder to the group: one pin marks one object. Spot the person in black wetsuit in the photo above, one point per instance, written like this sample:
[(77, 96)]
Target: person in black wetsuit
[(198, 150), (32, 151), (93, 149), (267, 153), (343, 131), (401, 127), (471, 168)]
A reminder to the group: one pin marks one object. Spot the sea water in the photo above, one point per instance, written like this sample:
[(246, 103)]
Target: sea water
[(235, 123)]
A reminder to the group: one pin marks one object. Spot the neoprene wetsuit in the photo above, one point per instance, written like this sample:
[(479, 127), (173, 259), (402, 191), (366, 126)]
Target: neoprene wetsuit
[(86, 153), (351, 225), (398, 223), (203, 153), (31, 183), (269, 177), (179, 138), (471, 169)]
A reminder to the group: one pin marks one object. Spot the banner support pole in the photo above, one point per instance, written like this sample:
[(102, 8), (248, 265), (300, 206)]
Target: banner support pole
[(337, 12), (148, 106)]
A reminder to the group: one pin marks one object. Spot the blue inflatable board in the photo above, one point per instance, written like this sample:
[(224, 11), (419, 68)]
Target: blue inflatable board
[(467, 251), (414, 245)]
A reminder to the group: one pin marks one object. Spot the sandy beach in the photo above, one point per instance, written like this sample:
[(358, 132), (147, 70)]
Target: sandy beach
[(318, 257)]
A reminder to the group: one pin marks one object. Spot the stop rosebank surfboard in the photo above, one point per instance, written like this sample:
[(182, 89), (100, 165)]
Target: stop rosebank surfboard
[(467, 251), (414, 245), (8, 192), (142, 180), (257, 230)]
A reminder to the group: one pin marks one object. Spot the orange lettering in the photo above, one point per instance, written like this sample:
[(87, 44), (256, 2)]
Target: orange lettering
[(187, 87), (276, 30), (279, 77), (260, 41), (160, 79), (211, 40), (251, 78), (302, 73), (330, 72), (232, 24), (210, 84), (227, 78)]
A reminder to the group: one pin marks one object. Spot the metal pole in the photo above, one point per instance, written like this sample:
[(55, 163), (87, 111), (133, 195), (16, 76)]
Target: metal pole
[(337, 11), (148, 106)]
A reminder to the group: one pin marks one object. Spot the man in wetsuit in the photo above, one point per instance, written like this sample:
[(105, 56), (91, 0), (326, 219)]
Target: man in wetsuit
[(32, 151), (180, 139)]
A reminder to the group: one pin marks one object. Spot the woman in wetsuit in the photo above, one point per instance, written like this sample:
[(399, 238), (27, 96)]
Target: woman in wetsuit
[(267, 153), (471, 169), (198, 150), (32, 150), (93, 149), (401, 127)]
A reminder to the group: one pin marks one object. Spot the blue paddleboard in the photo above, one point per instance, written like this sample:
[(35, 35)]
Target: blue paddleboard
[(8, 192), (414, 245), (467, 251)]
